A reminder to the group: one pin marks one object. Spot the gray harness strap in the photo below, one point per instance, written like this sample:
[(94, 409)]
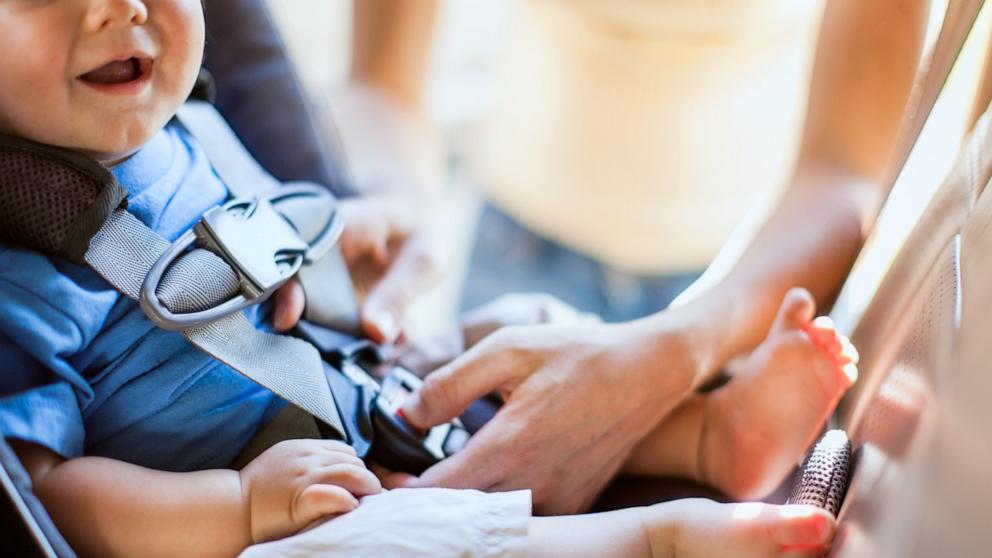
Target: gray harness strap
[(242, 174), (123, 251), (325, 280)]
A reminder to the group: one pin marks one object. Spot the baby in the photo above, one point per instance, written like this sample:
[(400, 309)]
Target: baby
[(126, 429)]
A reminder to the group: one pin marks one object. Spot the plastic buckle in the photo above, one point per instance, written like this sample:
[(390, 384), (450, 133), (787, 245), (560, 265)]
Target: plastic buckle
[(259, 244), (400, 446)]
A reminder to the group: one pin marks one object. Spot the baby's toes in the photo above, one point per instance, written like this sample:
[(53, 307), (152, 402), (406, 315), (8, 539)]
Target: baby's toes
[(848, 352), (837, 347), (796, 311), (824, 335)]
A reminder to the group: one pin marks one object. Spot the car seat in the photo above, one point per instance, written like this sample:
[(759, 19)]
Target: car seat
[(252, 74), (918, 417)]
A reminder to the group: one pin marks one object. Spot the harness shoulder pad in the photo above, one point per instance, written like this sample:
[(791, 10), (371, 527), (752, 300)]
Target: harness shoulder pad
[(54, 200)]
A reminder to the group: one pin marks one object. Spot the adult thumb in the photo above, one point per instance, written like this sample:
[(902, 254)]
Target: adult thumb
[(449, 390)]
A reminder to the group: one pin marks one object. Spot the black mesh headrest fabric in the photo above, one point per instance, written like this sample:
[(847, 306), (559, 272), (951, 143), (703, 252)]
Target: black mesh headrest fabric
[(54, 200)]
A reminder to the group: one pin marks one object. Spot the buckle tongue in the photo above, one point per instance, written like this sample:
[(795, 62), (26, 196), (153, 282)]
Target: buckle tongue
[(261, 246)]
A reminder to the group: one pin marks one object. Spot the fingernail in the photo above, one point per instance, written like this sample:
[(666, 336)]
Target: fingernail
[(403, 415), (851, 372), (849, 350), (823, 322), (385, 322), (410, 411)]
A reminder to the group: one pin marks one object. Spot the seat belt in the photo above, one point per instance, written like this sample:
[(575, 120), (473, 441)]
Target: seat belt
[(170, 282), (330, 297), (64, 204)]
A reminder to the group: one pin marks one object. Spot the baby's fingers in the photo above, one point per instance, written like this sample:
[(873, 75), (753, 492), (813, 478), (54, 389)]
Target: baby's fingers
[(354, 478), (289, 304), (320, 500)]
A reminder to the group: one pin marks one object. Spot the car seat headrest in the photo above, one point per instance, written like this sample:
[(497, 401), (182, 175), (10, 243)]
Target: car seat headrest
[(55, 199)]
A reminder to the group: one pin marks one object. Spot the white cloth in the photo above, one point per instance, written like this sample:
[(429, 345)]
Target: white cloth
[(414, 523)]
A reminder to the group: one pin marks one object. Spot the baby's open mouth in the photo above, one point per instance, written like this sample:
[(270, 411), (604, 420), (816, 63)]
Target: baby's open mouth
[(119, 71)]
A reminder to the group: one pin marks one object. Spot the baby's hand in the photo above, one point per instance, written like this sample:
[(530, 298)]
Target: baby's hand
[(392, 255), (297, 482)]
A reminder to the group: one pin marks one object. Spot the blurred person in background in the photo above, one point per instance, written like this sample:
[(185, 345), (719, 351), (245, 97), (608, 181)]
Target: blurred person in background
[(628, 142), (633, 139)]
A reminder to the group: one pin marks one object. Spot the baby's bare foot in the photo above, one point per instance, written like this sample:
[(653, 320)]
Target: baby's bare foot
[(758, 425), (703, 528)]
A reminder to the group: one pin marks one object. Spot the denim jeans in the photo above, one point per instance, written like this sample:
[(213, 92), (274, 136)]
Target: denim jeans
[(508, 257)]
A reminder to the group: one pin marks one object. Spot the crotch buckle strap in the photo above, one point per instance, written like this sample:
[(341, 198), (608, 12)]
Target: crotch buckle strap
[(261, 244)]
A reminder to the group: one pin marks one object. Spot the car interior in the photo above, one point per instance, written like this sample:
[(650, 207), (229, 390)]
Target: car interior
[(918, 419)]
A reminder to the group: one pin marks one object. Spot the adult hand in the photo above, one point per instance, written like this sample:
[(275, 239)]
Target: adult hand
[(392, 258), (577, 398), (513, 309)]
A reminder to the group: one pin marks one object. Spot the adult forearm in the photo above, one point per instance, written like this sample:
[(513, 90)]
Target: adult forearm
[(391, 47), (865, 65), (811, 240), (111, 508)]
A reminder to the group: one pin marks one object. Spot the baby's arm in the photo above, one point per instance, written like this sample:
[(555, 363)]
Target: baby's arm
[(111, 508), (615, 533)]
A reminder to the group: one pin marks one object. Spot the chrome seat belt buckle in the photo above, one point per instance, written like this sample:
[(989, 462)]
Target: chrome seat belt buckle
[(393, 443)]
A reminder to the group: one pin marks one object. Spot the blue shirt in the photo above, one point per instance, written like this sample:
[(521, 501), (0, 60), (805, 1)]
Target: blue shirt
[(84, 372)]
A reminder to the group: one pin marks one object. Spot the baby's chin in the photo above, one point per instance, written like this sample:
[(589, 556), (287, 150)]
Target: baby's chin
[(111, 149), (108, 145), (110, 158)]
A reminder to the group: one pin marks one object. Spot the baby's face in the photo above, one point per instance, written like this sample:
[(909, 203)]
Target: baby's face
[(97, 76)]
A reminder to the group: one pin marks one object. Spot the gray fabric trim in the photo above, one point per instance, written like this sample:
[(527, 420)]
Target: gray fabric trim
[(330, 296), (242, 174), (262, 99)]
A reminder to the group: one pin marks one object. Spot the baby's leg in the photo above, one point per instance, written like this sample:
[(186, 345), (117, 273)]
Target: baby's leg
[(745, 437), (685, 529)]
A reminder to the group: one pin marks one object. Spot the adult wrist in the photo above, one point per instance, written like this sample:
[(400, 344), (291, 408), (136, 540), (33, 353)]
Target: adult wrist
[(690, 339)]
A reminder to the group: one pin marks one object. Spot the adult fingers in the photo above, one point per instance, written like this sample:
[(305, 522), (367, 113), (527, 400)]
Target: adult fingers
[(289, 304), (398, 480), (485, 461), (391, 479), (414, 270), (449, 390)]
